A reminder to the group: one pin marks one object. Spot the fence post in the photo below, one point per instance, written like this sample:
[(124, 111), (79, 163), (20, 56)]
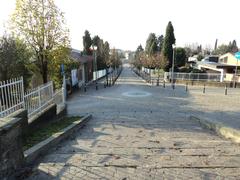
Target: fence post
[(63, 95), (226, 89), (52, 92), (186, 87), (39, 97), (204, 89), (22, 88)]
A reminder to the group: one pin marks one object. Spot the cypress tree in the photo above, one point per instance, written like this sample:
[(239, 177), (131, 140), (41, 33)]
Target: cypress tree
[(169, 40)]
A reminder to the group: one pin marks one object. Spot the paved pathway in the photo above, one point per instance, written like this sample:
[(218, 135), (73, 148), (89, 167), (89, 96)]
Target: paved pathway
[(139, 132)]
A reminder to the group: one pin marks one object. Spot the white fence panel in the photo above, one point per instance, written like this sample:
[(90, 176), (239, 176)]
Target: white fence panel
[(39, 98), (58, 97), (99, 74), (11, 96), (217, 77)]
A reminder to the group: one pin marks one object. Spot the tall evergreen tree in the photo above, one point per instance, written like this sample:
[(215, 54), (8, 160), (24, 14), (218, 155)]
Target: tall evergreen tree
[(87, 43), (151, 44), (106, 53), (160, 41), (216, 44), (233, 47), (95, 40), (139, 48), (169, 40)]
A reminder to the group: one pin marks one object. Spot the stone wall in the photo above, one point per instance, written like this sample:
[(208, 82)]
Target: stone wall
[(13, 129), (43, 118), (11, 154)]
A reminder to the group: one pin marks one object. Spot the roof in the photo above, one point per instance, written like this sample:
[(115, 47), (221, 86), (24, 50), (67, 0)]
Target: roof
[(214, 64), (77, 56), (227, 54)]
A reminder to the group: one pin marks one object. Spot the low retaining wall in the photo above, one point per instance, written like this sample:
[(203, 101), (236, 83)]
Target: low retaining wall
[(32, 154), (13, 129), (11, 154), (42, 119)]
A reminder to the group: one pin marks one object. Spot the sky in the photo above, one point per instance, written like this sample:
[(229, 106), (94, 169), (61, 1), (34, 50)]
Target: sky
[(127, 23)]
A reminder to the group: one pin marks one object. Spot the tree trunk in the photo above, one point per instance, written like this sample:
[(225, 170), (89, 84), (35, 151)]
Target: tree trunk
[(45, 72)]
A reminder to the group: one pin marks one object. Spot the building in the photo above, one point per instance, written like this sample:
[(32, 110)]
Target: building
[(225, 65), (84, 73)]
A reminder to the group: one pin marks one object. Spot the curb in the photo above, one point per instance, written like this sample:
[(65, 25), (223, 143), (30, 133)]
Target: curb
[(220, 129), (32, 154)]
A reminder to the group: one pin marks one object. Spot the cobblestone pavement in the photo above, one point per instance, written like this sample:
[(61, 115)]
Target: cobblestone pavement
[(139, 132)]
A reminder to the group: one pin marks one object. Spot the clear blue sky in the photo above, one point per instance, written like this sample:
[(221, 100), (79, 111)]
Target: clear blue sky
[(127, 23)]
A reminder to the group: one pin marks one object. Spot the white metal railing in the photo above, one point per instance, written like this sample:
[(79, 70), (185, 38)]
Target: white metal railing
[(58, 97), (196, 76), (99, 73), (11, 96), (39, 98)]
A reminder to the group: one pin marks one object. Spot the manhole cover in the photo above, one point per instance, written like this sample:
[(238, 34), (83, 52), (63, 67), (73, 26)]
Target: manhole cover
[(136, 94)]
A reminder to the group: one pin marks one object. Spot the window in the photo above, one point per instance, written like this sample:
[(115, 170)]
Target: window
[(225, 59)]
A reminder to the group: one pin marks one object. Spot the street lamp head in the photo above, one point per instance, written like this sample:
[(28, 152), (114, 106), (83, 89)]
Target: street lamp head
[(173, 46)]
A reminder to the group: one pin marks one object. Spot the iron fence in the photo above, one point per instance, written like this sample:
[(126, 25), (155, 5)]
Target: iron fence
[(39, 98), (11, 96), (217, 77)]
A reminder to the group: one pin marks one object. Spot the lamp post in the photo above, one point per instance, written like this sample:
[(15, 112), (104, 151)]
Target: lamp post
[(173, 46), (95, 64), (237, 55)]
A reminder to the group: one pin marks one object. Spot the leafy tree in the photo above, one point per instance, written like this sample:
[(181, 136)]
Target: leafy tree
[(87, 43), (181, 57), (106, 54), (60, 56), (200, 57), (160, 62), (151, 44), (169, 40), (101, 55), (138, 57), (41, 24), (14, 60), (222, 49)]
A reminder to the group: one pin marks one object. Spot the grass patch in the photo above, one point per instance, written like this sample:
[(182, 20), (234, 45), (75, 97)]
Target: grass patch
[(46, 132)]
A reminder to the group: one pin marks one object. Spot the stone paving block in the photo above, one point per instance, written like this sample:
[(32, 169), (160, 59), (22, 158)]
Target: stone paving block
[(144, 137)]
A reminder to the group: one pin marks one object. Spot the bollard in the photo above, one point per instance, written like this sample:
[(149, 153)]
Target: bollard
[(163, 83), (157, 82), (96, 86), (173, 86), (226, 89), (186, 87), (85, 88), (204, 89)]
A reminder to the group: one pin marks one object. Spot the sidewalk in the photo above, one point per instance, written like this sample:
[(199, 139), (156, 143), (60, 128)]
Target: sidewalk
[(217, 111)]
